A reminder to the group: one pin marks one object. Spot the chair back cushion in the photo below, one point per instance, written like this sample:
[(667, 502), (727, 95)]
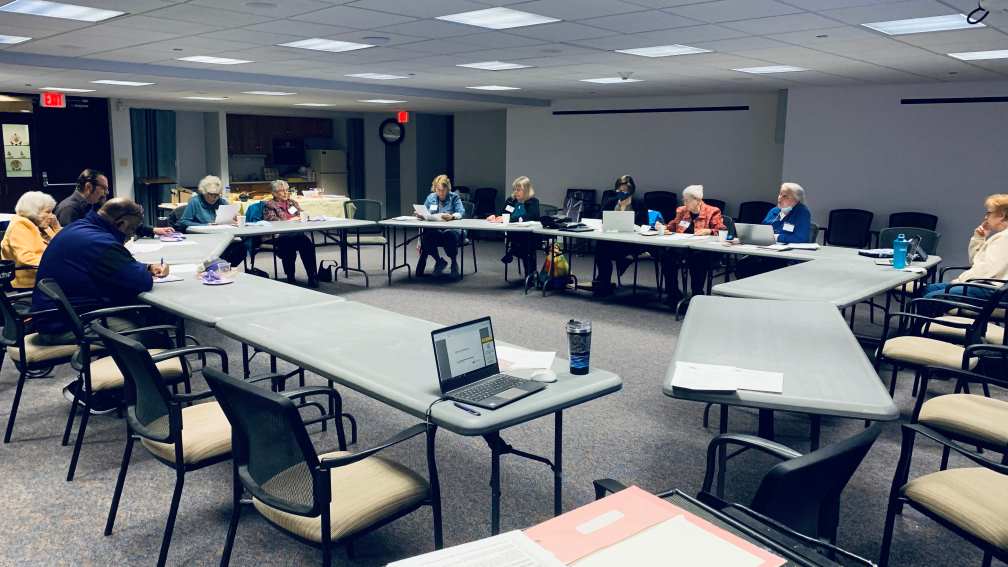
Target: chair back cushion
[(53, 291), (849, 227), (918, 220), (753, 212)]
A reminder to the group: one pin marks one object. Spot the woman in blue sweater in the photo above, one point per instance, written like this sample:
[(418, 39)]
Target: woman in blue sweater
[(442, 205), (792, 223), (202, 210)]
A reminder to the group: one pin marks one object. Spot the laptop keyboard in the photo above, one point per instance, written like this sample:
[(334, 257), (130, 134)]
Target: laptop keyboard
[(489, 387)]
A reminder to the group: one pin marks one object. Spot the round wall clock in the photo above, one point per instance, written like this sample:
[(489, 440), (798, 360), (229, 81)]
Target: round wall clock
[(391, 132)]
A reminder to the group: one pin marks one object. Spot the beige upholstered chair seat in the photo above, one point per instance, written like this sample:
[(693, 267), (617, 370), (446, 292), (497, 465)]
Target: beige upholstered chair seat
[(35, 352), (994, 334), (363, 493), (206, 434), (105, 374), (925, 351), (968, 415), (366, 239), (974, 499)]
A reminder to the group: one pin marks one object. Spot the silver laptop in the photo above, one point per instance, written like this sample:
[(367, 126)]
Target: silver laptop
[(466, 357), (758, 234), (617, 221)]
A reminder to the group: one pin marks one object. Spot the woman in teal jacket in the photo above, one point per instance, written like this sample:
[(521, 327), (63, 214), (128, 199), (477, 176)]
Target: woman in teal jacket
[(202, 210)]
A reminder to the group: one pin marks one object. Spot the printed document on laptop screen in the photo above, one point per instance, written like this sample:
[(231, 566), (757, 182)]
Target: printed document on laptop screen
[(465, 349)]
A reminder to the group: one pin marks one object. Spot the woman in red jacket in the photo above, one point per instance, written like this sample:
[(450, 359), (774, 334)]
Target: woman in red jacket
[(693, 217)]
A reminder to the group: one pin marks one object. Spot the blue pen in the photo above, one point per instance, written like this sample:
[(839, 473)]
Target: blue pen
[(466, 408)]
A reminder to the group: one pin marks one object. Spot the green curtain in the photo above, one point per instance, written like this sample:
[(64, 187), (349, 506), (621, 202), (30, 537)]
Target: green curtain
[(153, 140)]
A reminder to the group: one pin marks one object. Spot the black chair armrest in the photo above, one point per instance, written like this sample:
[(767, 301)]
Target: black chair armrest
[(750, 442), (275, 380), (333, 462), (941, 274), (109, 311), (607, 485), (926, 319), (148, 328), (980, 349), (185, 351), (962, 377), (995, 282), (941, 302), (19, 295), (973, 456), (183, 398), (30, 314), (310, 391)]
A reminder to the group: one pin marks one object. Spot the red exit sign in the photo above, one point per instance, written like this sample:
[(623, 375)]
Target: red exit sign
[(53, 100)]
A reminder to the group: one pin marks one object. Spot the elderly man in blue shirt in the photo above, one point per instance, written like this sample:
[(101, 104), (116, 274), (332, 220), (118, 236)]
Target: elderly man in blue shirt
[(792, 223), (442, 204)]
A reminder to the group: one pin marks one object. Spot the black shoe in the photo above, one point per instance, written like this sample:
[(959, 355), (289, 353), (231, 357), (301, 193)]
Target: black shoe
[(313, 283), (622, 264), (258, 272), (454, 271), (507, 258), (421, 266), (439, 265), (291, 279), (602, 289)]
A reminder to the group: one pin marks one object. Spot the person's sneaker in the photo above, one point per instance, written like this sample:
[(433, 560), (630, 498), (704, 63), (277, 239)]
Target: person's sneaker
[(439, 266), (454, 270), (507, 258)]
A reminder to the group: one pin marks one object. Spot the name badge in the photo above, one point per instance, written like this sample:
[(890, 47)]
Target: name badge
[(433, 208), (509, 209), (292, 210), (684, 223), (788, 227)]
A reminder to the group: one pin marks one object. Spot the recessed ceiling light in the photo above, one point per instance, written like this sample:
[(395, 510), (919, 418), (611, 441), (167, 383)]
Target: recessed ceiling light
[(610, 80), (498, 18), (311, 104), (214, 60), (206, 97), (377, 76), (59, 10), (980, 55), (12, 39), (269, 93), (121, 83), (66, 90), (319, 44), (382, 101), (494, 65), (770, 69), (921, 25), (494, 88), (663, 50)]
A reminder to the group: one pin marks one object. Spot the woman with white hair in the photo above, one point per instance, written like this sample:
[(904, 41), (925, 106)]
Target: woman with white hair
[(281, 208), (202, 209), (693, 217), (521, 206), (28, 235), (791, 221)]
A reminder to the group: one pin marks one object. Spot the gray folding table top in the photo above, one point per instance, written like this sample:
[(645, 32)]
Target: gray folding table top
[(193, 250), (462, 224), (825, 370), (248, 295), (282, 227), (390, 357)]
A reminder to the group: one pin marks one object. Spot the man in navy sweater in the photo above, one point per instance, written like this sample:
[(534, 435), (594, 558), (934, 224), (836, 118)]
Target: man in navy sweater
[(90, 263)]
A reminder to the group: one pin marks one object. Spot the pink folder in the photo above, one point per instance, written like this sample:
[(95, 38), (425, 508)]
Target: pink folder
[(608, 521)]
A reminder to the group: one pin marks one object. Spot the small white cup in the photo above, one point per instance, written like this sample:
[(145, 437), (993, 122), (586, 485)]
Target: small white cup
[(722, 235), (506, 218), (241, 220), (661, 229)]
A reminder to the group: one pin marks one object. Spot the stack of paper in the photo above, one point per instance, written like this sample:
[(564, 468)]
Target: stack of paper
[(142, 247), (510, 358), (717, 378), (511, 549), (804, 245)]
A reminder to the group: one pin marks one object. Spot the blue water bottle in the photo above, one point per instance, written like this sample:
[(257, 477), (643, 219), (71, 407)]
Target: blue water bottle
[(900, 246)]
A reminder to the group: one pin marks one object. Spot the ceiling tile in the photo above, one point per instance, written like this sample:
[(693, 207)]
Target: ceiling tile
[(890, 11), (299, 29), (634, 22), (819, 5), (164, 25), (498, 40), (275, 9), (253, 37), (687, 36), (354, 18), (729, 10), (579, 10), (432, 29), (811, 38), (739, 44), (562, 31), (419, 9), (781, 24), (202, 15)]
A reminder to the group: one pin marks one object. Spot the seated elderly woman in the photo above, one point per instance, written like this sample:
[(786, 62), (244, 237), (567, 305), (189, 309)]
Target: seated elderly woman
[(442, 204), (28, 235), (280, 208), (619, 253), (521, 206), (202, 210), (792, 223), (693, 217)]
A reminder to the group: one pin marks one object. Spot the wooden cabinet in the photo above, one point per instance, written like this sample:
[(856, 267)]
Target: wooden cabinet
[(250, 134)]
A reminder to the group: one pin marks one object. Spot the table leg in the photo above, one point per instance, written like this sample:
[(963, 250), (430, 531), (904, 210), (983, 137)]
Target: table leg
[(558, 463), (344, 261), (435, 487), (815, 431), (246, 372), (766, 424), (393, 253), (722, 456), (495, 491)]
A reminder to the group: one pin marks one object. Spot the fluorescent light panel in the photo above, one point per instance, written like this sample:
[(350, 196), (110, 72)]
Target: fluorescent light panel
[(377, 76), (59, 10), (206, 97), (980, 55), (319, 44), (498, 18), (311, 104), (663, 50), (269, 93), (770, 69), (382, 101), (610, 80), (12, 39), (121, 83), (214, 60), (922, 25), (494, 88), (67, 90), (494, 66)]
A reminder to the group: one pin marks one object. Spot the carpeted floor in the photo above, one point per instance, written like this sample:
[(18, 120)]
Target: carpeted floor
[(637, 435)]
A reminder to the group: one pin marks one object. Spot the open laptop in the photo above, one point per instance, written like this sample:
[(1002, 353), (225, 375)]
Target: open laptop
[(467, 367), (758, 234), (617, 221)]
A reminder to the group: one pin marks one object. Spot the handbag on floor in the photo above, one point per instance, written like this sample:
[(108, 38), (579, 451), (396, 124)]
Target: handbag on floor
[(555, 271)]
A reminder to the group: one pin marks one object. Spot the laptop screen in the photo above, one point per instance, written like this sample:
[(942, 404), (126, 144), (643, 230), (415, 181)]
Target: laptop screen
[(464, 353), (573, 210)]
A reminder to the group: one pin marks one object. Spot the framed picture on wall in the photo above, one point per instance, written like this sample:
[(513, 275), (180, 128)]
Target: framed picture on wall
[(16, 150)]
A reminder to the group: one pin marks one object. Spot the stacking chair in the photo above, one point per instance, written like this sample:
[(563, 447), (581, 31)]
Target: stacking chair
[(969, 501), (588, 198), (101, 374), (849, 227), (665, 202), (317, 499), (464, 192), (917, 220), (366, 209), (257, 244), (485, 200), (928, 243), (753, 212), (801, 494), (813, 232), (721, 205), (994, 331)]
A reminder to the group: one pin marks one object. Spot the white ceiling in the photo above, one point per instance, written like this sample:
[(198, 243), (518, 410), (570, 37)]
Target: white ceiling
[(824, 36)]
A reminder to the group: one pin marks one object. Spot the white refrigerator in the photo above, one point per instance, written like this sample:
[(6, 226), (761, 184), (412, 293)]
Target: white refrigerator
[(330, 167)]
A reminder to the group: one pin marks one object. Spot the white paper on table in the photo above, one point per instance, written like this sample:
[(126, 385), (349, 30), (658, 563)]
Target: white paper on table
[(804, 245), (673, 542), (511, 549), (515, 358), (760, 380), (915, 270), (226, 214), (780, 247), (144, 247), (215, 227), (593, 223), (180, 243), (169, 278), (718, 378), (183, 269), (405, 217)]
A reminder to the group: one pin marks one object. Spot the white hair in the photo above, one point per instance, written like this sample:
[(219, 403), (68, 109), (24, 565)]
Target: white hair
[(796, 190), (279, 185), (695, 191), (210, 184), (32, 203)]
